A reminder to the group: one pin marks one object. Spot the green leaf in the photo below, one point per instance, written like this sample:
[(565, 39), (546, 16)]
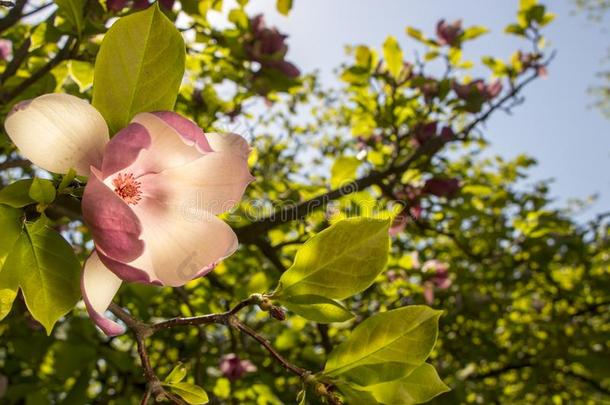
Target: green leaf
[(317, 308), (284, 6), (340, 261), (176, 375), (139, 67), (11, 224), (393, 56), (239, 18), (355, 395), (343, 171), (386, 346), (66, 180), (420, 386), (46, 269), (474, 32), (301, 396), (82, 74), (42, 191), (72, 12), (17, 194), (515, 29), (191, 393)]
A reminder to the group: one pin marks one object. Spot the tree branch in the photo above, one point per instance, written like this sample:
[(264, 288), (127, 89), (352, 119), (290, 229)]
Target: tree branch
[(143, 330)]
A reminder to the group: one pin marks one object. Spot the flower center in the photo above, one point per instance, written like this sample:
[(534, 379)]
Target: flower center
[(128, 188)]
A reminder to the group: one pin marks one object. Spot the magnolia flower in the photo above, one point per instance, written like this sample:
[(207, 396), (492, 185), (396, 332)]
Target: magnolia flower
[(268, 47), (233, 368), (439, 280), (478, 87), (448, 34), (152, 197), (442, 187), (6, 49)]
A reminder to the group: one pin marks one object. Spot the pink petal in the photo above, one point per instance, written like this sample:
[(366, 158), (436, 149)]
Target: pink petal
[(169, 147), (99, 286), (214, 183), (187, 129), (133, 272), (180, 246), (114, 226), (58, 132), (124, 148), (229, 142)]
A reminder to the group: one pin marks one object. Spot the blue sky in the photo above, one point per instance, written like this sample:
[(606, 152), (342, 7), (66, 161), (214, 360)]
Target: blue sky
[(556, 125)]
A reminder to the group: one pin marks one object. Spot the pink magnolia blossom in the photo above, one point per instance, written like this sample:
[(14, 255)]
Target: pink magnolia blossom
[(478, 87), (6, 49), (439, 280), (449, 33), (234, 368), (268, 47), (442, 187), (152, 197)]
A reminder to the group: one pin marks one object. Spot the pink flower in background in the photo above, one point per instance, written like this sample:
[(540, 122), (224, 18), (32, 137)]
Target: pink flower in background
[(448, 34), (439, 280), (478, 87), (153, 193), (268, 47), (6, 49), (442, 187), (233, 368)]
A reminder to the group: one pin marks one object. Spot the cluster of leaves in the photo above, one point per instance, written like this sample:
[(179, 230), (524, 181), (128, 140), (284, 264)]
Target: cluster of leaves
[(525, 314)]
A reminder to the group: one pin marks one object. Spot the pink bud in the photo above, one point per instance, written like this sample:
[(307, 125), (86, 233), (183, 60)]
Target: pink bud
[(492, 90), (233, 368), (6, 49), (428, 293), (442, 187), (426, 132), (448, 34)]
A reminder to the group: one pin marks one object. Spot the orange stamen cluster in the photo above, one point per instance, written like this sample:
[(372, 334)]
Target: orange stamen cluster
[(128, 188)]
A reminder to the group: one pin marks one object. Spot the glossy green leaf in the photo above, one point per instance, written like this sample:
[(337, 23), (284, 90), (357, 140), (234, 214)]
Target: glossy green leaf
[(355, 395), (386, 346), (66, 180), (393, 56), (420, 386), (344, 171), (191, 393), (284, 6), (42, 191), (17, 194), (176, 375), (474, 32), (46, 269), (82, 74), (11, 224), (340, 261), (317, 308), (139, 67), (301, 397), (72, 12)]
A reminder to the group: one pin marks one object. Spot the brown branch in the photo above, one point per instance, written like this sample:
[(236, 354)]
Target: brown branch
[(13, 16), (10, 164), (237, 324), (143, 330), (64, 53)]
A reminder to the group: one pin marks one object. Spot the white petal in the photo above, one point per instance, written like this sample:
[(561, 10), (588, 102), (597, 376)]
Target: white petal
[(182, 245), (99, 285), (58, 132), (229, 142)]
